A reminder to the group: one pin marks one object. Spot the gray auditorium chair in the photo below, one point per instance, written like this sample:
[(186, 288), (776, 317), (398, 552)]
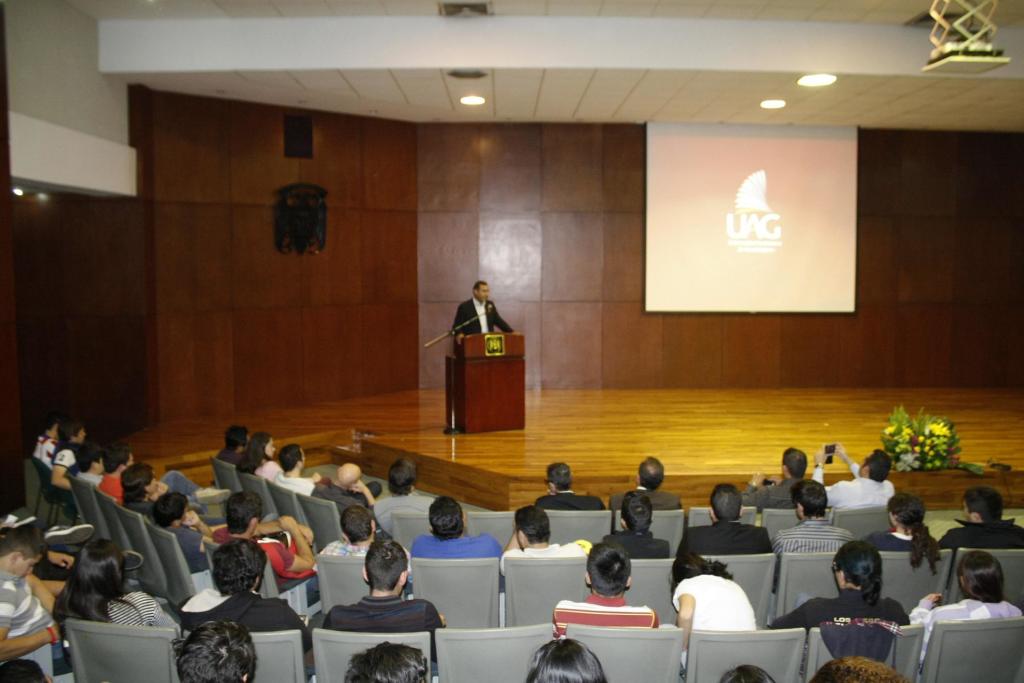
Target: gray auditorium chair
[(1010, 559), (533, 586), (908, 652), (808, 574), (633, 654), (151, 574), (701, 516), (712, 653), (286, 502), (496, 655), (341, 580), (108, 507), (754, 574), (180, 584), (570, 525), (908, 585), (409, 524), (258, 485), (225, 475), (292, 591), (84, 494), (988, 650), (464, 591), (652, 586), (322, 517), (332, 650), (862, 521), (111, 652), (279, 656), (777, 520), (497, 524), (666, 524)]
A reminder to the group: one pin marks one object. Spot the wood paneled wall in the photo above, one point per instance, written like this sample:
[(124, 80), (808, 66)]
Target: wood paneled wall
[(552, 217)]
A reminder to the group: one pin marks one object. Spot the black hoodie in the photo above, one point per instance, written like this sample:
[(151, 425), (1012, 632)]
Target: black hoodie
[(249, 609)]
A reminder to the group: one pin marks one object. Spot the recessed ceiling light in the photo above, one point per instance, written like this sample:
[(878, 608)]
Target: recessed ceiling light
[(816, 80), (42, 196), (18, 191), (472, 100), (467, 74), (773, 104)]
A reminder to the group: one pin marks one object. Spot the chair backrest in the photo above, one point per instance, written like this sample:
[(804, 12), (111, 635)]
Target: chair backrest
[(408, 524), (258, 485), (497, 524), (341, 580), (666, 524), (754, 574), (775, 520), (151, 574), (173, 563), (570, 525), (907, 585), (111, 652), (279, 657), (287, 503), (534, 585), (861, 521), (633, 654), (1010, 559), (988, 650), (108, 508), (85, 499), (908, 651), (652, 586), (711, 653), (806, 574), (332, 650), (323, 518), (497, 655), (701, 516), (226, 475), (464, 591)]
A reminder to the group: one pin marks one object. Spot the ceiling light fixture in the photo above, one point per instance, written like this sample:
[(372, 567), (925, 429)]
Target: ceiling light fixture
[(17, 191), (467, 74), (773, 104), (816, 80), (472, 100)]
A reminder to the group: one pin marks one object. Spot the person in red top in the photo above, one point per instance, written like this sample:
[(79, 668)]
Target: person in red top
[(116, 460), (291, 559), (608, 575)]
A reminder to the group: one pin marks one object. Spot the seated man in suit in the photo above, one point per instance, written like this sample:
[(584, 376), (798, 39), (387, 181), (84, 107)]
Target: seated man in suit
[(984, 526), (649, 476), (726, 535), (636, 536), (560, 495), (478, 314), (777, 494), (448, 539)]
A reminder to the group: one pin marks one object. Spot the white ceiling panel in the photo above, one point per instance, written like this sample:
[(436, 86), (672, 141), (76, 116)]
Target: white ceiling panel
[(560, 93), (516, 92), (424, 88), (377, 85), (328, 80), (606, 93), (247, 8)]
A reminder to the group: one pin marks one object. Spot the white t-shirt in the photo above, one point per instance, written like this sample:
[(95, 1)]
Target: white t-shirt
[(553, 550), (44, 450), (721, 604), (301, 485)]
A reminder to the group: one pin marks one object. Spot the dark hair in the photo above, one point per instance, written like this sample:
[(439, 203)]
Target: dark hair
[(240, 509), (986, 501), (117, 454), (387, 663), (478, 283), (255, 453), (861, 564), (637, 511), (21, 671), (96, 580), (811, 496), (134, 481), (560, 475), (68, 428), (981, 576), (290, 455), (746, 673), (651, 473), (609, 569), (356, 523), (88, 453), (385, 562), (565, 661), (169, 508), (856, 670), (795, 461), (445, 516), (878, 464), (235, 436), (216, 652), (238, 566), (401, 477), (726, 502), (27, 540), (534, 523), (689, 565), (908, 511), (53, 419)]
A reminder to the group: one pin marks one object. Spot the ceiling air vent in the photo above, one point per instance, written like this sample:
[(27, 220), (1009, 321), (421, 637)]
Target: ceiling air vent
[(464, 9)]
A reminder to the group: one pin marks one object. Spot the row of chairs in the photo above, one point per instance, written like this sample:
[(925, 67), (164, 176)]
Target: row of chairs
[(986, 650)]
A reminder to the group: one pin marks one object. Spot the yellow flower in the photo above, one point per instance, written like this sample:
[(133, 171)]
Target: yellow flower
[(939, 428)]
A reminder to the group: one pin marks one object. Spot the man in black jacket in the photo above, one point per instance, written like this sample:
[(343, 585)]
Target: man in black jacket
[(480, 314), (726, 535), (636, 536), (984, 526), (560, 495)]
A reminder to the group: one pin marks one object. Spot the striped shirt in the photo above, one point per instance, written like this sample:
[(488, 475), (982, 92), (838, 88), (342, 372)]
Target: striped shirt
[(965, 610), (138, 609), (601, 611), (20, 611), (811, 536)]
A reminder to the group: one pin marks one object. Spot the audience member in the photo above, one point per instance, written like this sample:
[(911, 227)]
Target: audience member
[(746, 673), (560, 495), (217, 652), (727, 535), (358, 530), (565, 661), (856, 670), (237, 574), (531, 537), (46, 443), (171, 512), (290, 554), (90, 463), (909, 533), (70, 436), (447, 539), (22, 671), (404, 497), (259, 457), (116, 459), (868, 488), (776, 494), (608, 575), (25, 603), (636, 536), (140, 489), (707, 599), (813, 534), (984, 526), (293, 459), (348, 488), (858, 573), (235, 439), (649, 476), (388, 663)]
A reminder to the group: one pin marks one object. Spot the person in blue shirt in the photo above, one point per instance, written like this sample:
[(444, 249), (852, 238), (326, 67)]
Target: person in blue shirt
[(448, 540)]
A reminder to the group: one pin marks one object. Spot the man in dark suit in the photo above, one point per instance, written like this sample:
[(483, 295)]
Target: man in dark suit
[(649, 476), (560, 495), (726, 535), (636, 536), (778, 494), (481, 314)]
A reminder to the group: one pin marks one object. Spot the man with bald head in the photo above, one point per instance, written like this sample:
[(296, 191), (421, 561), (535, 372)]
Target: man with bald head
[(347, 488)]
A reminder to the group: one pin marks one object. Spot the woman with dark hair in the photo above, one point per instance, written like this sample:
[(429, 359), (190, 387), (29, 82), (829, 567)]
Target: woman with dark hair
[(857, 567), (707, 598), (259, 457), (565, 661), (909, 533), (746, 673), (981, 579), (95, 592)]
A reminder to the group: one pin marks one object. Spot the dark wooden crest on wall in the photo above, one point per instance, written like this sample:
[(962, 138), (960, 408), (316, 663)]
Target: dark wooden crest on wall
[(300, 219)]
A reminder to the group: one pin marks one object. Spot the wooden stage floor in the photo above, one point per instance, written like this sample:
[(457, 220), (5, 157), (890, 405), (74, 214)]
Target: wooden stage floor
[(702, 436)]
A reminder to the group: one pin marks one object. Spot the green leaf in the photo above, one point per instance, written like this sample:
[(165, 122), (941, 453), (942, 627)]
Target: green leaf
[(971, 467)]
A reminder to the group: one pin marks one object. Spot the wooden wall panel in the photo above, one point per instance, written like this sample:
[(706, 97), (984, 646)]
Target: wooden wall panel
[(623, 257), (572, 171), (335, 275), (190, 157), (808, 348), (389, 256), (511, 256), (631, 347), (571, 345), (573, 254), (262, 276), (268, 358), (331, 343), (692, 354), (624, 158), (337, 163), (510, 167), (448, 255), (751, 350), (258, 164), (389, 352), (389, 165), (449, 179)]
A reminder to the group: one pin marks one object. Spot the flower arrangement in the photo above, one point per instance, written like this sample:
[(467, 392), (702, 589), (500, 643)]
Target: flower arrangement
[(926, 442)]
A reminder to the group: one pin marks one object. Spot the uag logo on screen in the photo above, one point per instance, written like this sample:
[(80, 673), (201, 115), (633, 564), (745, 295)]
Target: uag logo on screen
[(753, 228)]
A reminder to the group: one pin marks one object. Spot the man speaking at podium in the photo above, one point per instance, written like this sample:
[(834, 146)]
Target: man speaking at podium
[(478, 315)]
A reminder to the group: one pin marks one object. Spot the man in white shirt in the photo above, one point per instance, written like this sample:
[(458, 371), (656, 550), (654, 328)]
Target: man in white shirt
[(868, 488), (47, 441), (531, 535), (478, 315), (292, 461), (402, 487)]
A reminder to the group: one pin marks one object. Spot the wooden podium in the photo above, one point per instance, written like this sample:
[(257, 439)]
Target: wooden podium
[(485, 382)]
